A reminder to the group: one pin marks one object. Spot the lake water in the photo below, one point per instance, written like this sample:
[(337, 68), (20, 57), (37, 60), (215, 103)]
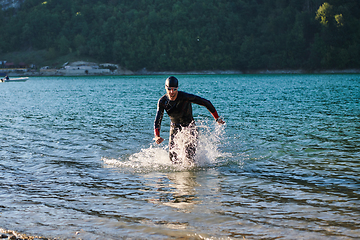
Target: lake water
[(78, 161)]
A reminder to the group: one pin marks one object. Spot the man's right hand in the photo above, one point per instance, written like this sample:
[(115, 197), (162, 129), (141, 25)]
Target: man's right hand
[(158, 139)]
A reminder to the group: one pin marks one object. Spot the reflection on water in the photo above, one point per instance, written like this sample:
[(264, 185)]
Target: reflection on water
[(184, 195), (177, 190)]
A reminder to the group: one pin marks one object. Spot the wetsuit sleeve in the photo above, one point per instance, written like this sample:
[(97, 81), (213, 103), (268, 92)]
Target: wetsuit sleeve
[(158, 118), (215, 115), (206, 103)]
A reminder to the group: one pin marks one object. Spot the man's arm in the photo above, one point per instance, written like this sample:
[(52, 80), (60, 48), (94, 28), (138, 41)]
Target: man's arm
[(206, 103), (217, 118), (157, 123)]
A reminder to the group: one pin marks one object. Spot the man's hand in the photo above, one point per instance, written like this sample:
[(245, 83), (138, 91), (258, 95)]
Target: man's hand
[(158, 139), (220, 121)]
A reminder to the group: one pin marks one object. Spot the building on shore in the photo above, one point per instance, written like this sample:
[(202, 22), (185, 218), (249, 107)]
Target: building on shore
[(81, 68)]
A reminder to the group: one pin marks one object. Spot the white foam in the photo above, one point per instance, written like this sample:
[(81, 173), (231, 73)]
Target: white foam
[(156, 157)]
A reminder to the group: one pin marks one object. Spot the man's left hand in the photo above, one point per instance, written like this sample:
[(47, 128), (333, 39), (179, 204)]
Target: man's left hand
[(158, 139), (220, 121)]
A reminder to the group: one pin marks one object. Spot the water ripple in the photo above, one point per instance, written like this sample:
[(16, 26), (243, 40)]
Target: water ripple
[(77, 159)]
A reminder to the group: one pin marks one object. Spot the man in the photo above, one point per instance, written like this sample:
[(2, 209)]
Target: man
[(177, 104)]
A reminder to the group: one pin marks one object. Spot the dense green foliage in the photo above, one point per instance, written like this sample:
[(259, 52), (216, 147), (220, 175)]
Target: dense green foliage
[(184, 35)]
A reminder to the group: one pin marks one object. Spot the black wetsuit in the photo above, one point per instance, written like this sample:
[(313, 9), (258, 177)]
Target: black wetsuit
[(180, 113)]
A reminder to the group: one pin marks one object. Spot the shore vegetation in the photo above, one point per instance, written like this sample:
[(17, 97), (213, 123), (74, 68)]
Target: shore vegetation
[(184, 35)]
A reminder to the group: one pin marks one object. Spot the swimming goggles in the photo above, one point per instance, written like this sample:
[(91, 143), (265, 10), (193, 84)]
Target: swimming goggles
[(172, 88)]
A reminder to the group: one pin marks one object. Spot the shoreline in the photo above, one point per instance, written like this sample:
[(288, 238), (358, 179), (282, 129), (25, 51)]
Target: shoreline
[(58, 72), (11, 234)]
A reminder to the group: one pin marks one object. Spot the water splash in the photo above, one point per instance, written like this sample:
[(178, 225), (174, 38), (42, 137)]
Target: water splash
[(156, 157)]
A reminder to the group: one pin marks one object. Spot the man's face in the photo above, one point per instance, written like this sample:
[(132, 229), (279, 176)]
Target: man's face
[(172, 92)]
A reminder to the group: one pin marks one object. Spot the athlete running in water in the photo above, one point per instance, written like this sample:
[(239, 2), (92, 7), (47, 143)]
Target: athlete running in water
[(177, 104)]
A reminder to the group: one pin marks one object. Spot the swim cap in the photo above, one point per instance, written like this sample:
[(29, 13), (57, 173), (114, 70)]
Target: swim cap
[(171, 82)]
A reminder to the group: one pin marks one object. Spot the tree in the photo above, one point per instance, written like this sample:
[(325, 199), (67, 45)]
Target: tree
[(64, 45), (325, 14), (191, 35)]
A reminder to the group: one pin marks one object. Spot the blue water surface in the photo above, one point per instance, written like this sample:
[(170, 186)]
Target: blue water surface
[(78, 160)]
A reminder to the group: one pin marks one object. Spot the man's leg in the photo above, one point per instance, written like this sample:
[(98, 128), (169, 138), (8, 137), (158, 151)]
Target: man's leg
[(192, 145), (172, 154)]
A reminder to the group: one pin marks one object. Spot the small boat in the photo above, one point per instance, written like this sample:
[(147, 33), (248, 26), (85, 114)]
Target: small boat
[(21, 79)]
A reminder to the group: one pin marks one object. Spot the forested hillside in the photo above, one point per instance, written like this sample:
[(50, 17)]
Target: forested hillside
[(190, 35)]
